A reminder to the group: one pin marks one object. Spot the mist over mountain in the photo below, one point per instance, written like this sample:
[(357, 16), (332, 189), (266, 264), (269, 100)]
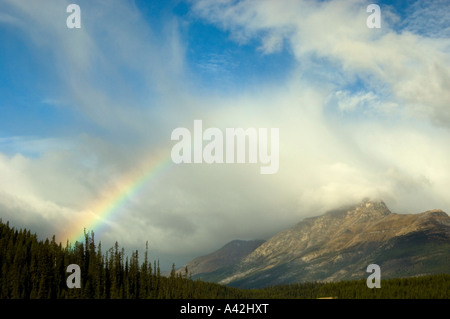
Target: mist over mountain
[(339, 245), (229, 255)]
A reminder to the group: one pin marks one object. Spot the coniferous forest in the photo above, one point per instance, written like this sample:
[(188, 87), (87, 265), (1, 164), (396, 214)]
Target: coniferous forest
[(36, 269)]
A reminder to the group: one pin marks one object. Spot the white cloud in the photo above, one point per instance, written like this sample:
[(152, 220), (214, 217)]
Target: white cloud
[(376, 145), (412, 69), (8, 19), (363, 102), (429, 18)]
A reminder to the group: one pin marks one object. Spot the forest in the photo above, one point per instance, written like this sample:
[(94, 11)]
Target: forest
[(36, 269)]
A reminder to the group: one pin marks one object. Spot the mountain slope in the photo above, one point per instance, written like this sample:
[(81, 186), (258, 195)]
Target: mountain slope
[(340, 244), (205, 267)]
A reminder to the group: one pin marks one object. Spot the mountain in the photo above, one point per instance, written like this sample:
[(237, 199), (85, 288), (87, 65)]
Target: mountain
[(205, 267), (340, 244)]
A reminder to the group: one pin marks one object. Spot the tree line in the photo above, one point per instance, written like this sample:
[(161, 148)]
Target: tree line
[(36, 269)]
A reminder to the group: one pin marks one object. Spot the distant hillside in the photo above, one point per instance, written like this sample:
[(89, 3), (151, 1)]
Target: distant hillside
[(340, 244), (232, 253)]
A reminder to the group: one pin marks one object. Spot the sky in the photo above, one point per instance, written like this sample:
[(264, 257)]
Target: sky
[(86, 115)]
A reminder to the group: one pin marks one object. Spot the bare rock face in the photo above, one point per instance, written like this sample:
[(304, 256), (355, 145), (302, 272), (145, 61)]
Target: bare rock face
[(318, 235), (340, 244)]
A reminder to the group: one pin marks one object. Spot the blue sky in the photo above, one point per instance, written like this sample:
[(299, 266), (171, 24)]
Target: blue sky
[(32, 101), (214, 60), (361, 112)]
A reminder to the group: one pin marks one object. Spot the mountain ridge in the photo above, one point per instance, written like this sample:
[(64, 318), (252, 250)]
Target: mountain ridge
[(339, 244)]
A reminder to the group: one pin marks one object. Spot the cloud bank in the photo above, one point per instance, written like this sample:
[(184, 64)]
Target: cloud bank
[(361, 113)]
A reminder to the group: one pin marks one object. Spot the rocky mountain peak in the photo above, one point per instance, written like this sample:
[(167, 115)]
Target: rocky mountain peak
[(436, 212), (340, 243), (363, 213), (370, 208), (337, 245)]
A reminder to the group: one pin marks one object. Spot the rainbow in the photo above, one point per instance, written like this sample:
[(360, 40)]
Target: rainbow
[(98, 214)]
